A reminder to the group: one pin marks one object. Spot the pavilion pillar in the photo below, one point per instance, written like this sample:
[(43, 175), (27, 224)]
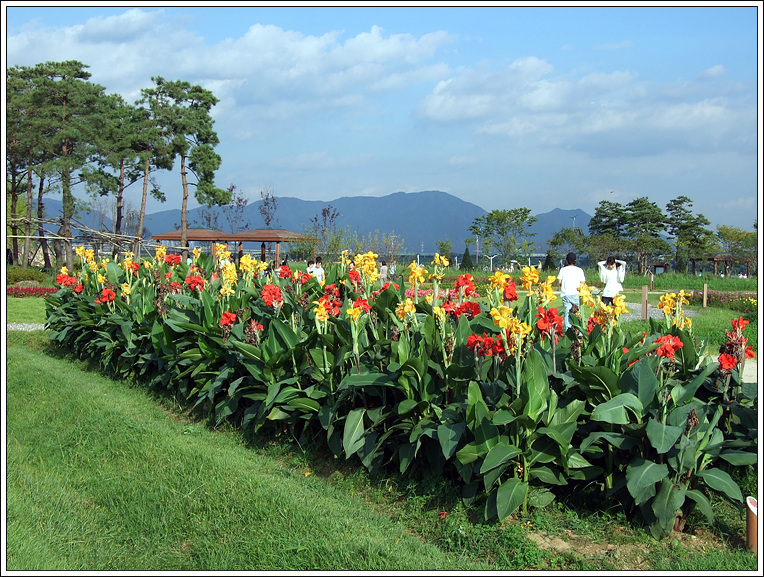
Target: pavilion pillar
[(262, 252), (278, 255)]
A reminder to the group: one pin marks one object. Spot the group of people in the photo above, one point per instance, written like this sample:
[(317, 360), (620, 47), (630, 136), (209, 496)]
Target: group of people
[(612, 272), (316, 268)]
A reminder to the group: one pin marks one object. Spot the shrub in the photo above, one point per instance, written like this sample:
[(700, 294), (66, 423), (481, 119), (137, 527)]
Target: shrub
[(16, 274)]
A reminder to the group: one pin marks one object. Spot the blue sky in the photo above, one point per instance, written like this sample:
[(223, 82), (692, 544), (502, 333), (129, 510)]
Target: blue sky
[(504, 106)]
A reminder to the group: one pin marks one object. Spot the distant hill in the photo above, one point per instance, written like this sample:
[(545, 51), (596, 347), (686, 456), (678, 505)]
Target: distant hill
[(420, 218)]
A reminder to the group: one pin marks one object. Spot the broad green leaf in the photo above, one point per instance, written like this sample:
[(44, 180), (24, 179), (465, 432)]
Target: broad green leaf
[(704, 505), (662, 437), (498, 455), (449, 435), (739, 458), (614, 410), (305, 405), (352, 437), (509, 497), (720, 481), (548, 475), (641, 477), (667, 503)]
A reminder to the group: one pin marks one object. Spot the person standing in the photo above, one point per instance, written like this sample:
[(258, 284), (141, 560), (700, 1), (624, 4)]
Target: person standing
[(612, 273), (570, 278), (318, 270), (383, 274)]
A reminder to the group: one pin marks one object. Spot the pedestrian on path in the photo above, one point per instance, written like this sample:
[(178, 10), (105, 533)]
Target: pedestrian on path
[(612, 273), (570, 278)]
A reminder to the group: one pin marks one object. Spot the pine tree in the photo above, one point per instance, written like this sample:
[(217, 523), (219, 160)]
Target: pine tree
[(466, 263)]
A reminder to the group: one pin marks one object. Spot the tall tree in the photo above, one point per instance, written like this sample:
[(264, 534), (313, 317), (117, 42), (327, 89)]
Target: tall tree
[(644, 222), (182, 110), (609, 218), (691, 238), (72, 110), (507, 231), (117, 163)]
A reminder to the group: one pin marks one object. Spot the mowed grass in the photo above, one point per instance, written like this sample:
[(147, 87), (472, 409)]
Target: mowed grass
[(100, 477), (25, 310)]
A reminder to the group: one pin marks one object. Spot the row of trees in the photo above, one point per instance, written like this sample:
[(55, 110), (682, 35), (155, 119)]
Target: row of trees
[(640, 232), (63, 131)]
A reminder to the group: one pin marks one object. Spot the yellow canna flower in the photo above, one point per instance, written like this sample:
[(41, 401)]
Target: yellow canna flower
[(529, 277), (101, 278), (354, 313), (126, 290), (404, 308), (160, 252), (226, 291), (499, 279), (64, 270)]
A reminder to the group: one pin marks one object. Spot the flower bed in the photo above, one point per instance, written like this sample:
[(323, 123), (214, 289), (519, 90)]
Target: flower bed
[(24, 292), (489, 392), (744, 302)]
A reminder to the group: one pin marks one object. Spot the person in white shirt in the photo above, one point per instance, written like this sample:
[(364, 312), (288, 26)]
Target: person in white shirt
[(318, 270), (570, 278), (383, 274), (612, 273)]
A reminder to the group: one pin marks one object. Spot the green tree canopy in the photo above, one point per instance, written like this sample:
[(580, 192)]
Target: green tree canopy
[(507, 231)]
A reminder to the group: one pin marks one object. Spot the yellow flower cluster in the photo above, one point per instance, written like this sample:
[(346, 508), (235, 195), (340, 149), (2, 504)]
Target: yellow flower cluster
[(529, 277), (514, 328), (671, 304), (498, 279), (249, 265), (222, 252), (366, 265), (86, 254), (354, 313), (160, 252), (405, 308), (586, 296), (416, 276)]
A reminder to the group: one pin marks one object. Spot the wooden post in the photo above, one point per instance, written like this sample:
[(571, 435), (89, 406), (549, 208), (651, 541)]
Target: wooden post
[(705, 294), (652, 277), (644, 302)]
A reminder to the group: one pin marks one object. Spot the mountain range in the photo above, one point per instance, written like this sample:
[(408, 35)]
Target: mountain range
[(419, 218)]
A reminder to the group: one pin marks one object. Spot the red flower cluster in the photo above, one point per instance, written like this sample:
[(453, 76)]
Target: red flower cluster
[(271, 294), (285, 272), (21, 292), (362, 303), (736, 347), (195, 282), (331, 304), (355, 278), (465, 282), (133, 267), (175, 287), (227, 319), (727, 361), (304, 277), (172, 259), (669, 345), (384, 288), (549, 323), (468, 308), (510, 291), (66, 280), (107, 296), (486, 346)]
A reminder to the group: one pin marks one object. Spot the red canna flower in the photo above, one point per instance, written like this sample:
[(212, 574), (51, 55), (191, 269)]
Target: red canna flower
[(727, 362), (669, 345), (171, 259), (443, 514), (194, 282), (285, 272), (271, 294), (510, 291), (227, 319), (549, 323), (363, 304)]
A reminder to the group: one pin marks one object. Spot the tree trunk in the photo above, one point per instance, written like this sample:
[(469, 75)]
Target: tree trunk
[(40, 215), (118, 219), (137, 245), (28, 225), (184, 210)]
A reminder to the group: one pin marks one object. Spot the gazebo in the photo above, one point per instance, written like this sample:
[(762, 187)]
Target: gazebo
[(261, 235)]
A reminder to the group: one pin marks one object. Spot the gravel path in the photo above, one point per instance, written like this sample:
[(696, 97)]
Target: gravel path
[(25, 326)]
